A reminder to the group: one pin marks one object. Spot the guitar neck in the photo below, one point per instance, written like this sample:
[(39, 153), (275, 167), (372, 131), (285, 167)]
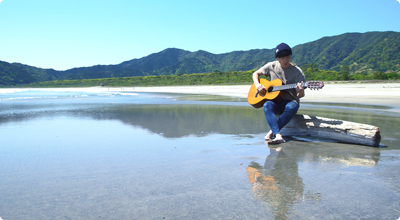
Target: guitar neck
[(286, 87)]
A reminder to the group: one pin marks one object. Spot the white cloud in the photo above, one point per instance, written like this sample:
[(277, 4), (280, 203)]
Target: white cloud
[(398, 1), (2, 0)]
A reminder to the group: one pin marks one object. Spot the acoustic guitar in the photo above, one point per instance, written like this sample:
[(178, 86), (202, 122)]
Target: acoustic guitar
[(274, 90)]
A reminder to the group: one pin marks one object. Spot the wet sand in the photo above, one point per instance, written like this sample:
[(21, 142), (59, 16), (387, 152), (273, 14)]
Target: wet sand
[(150, 156)]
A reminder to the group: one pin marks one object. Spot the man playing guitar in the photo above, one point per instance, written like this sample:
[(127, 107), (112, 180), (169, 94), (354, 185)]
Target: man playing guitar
[(289, 103)]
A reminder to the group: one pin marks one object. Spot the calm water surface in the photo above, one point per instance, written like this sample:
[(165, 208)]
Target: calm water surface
[(79, 155)]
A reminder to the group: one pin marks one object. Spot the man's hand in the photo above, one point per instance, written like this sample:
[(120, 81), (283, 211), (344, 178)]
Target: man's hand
[(260, 88)]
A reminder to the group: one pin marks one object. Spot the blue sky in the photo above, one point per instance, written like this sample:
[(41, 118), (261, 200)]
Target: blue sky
[(62, 34)]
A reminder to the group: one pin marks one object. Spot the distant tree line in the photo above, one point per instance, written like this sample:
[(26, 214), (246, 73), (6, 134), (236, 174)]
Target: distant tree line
[(313, 73), (215, 78)]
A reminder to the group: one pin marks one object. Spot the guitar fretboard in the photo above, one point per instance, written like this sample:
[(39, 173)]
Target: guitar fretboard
[(286, 87)]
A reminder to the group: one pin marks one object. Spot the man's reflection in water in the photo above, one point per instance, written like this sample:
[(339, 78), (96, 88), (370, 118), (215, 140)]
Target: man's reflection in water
[(277, 183)]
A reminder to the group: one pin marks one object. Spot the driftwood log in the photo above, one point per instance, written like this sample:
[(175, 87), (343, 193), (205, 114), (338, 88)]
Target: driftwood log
[(337, 130)]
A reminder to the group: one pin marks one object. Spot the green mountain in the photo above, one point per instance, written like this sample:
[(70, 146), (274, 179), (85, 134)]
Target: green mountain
[(361, 52), (12, 74), (367, 52)]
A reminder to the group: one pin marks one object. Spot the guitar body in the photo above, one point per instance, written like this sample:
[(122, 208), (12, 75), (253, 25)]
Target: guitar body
[(257, 100), (276, 91)]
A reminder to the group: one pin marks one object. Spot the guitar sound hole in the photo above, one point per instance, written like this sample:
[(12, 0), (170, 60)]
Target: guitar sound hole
[(270, 89)]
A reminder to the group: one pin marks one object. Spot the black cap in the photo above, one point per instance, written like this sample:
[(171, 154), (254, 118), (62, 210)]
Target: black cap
[(283, 50)]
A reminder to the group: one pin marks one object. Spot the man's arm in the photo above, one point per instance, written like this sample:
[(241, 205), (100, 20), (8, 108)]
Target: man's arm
[(299, 87), (300, 90), (256, 80)]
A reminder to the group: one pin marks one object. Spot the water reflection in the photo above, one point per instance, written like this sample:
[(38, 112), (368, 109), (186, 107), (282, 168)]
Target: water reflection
[(278, 183), (172, 121), (173, 118)]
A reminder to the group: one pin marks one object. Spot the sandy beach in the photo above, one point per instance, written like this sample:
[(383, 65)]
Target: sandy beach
[(386, 94)]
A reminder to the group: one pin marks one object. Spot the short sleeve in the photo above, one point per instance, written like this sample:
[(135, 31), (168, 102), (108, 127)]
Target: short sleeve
[(266, 69)]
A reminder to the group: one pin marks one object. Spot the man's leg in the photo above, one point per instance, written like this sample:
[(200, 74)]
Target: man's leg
[(288, 113), (270, 111), (287, 109)]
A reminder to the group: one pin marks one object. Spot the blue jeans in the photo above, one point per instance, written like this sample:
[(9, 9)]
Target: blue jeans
[(285, 108)]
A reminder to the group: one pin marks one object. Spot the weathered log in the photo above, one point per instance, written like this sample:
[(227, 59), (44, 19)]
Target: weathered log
[(337, 130)]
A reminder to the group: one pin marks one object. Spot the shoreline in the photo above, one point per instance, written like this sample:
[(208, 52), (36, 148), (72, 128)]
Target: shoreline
[(383, 94)]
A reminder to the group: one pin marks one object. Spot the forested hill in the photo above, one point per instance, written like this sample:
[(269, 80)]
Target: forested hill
[(368, 52), (361, 52)]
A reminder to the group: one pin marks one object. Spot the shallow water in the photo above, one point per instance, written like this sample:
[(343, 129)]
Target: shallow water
[(76, 155)]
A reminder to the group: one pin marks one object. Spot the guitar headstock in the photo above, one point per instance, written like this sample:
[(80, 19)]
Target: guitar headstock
[(314, 85)]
